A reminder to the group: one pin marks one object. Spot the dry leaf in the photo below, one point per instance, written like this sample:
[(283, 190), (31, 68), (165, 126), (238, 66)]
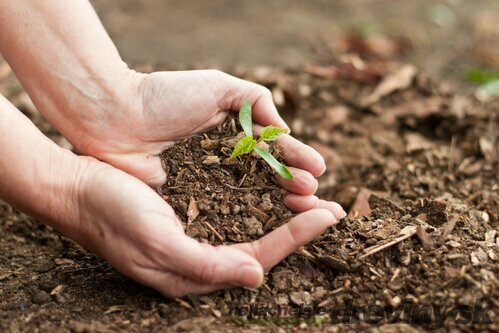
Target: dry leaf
[(399, 80), (361, 205)]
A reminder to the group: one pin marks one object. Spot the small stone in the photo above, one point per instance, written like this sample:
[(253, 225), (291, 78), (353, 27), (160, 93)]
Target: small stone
[(253, 226), (41, 297), (300, 297), (236, 209), (266, 204), (319, 292), (59, 299), (395, 301), (47, 285)]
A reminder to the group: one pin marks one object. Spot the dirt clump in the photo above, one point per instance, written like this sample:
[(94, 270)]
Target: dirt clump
[(219, 199)]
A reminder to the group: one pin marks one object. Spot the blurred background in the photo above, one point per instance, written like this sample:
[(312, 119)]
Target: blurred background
[(442, 37)]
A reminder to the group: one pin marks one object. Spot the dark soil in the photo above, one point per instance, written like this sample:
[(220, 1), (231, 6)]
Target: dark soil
[(219, 199), (414, 164)]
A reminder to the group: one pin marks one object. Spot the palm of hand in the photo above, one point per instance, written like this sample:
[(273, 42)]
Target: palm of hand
[(138, 233)]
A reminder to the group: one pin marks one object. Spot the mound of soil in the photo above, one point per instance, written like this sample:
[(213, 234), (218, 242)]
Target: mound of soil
[(414, 164), (219, 199)]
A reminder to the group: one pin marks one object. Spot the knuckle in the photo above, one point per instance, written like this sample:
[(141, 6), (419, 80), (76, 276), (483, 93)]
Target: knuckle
[(265, 92)]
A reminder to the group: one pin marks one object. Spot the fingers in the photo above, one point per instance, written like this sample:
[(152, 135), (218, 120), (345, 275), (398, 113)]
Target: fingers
[(333, 207), (146, 167), (300, 155), (173, 285), (300, 203), (289, 237), (263, 107), (303, 183), (206, 264)]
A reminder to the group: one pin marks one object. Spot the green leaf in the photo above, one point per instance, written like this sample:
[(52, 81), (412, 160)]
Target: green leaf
[(281, 169), (480, 76), (243, 146), (271, 133), (245, 118)]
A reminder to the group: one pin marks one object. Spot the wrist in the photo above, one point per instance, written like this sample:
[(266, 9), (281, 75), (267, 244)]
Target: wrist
[(57, 186)]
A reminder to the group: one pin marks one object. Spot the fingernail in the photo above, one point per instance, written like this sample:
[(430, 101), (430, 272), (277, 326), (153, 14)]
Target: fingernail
[(338, 211), (250, 276)]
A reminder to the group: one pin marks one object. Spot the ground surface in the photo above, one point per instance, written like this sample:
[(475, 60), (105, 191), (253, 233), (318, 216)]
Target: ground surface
[(444, 36), (425, 244), (420, 253)]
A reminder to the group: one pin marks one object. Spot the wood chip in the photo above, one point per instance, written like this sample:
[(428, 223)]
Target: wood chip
[(116, 308), (192, 211), (334, 263), (261, 216), (425, 239), (183, 303), (57, 290), (211, 159), (63, 261)]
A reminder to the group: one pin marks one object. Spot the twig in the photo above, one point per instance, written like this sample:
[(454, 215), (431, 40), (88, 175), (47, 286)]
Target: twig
[(242, 180), (214, 231), (395, 274), (404, 234)]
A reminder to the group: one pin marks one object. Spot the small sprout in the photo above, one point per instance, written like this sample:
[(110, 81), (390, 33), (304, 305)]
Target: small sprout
[(488, 82), (247, 144), (271, 133), (245, 119), (280, 168), (244, 146), (480, 76)]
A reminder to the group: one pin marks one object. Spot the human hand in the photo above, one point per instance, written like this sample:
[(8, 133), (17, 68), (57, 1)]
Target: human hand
[(121, 218), (128, 224), (163, 107)]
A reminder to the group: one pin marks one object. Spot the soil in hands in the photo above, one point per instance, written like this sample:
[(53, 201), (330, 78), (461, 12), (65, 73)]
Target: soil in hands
[(219, 199)]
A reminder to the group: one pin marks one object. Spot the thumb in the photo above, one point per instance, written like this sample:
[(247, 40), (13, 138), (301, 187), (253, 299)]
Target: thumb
[(264, 110), (209, 264)]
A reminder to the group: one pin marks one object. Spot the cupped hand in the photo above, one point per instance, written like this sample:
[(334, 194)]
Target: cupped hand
[(128, 224), (161, 108)]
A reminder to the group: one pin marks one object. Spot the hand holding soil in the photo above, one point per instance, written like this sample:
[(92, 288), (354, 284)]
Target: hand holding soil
[(126, 119)]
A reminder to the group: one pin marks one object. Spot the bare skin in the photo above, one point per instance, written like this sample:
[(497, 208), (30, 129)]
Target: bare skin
[(123, 119)]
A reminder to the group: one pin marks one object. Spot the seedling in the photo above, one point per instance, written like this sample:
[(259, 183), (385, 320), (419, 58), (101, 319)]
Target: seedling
[(248, 144), (488, 81)]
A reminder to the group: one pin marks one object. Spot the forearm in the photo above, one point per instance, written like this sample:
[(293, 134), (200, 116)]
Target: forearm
[(61, 53), (36, 175)]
